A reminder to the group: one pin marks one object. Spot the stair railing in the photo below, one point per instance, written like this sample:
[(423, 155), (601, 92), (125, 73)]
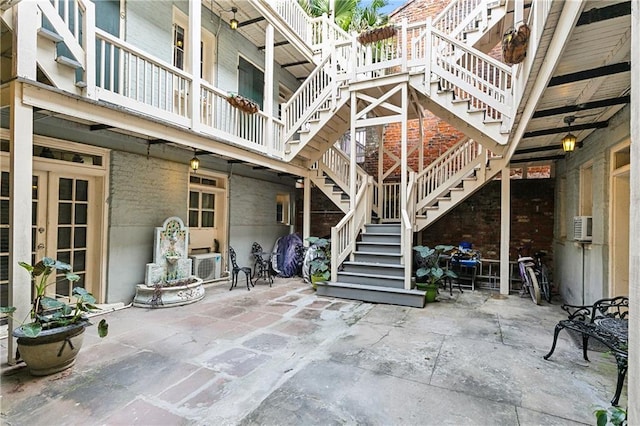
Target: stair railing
[(319, 89), (343, 235), (406, 237), (460, 16), (447, 171), (335, 163), (470, 74), (295, 17)]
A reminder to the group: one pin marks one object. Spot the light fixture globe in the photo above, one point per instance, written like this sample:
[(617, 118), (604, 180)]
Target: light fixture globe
[(194, 163), (233, 23), (569, 142)]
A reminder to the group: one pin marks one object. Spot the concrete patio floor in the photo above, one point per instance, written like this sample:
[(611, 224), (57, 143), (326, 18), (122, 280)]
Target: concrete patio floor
[(284, 356)]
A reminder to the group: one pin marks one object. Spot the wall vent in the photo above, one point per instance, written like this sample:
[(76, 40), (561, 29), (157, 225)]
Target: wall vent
[(583, 228), (206, 266)]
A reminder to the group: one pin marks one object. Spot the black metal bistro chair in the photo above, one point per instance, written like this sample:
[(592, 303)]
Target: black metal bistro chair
[(262, 265), (236, 269)]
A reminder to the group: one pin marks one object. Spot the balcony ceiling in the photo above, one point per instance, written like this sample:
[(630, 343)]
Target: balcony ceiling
[(253, 27), (591, 81)]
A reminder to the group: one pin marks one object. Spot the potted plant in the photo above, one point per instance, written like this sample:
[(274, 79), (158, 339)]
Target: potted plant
[(320, 263), (429, 273), (51, 340)]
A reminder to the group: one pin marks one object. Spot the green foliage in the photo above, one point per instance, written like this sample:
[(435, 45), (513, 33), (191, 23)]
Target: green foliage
[(349, 15), (428, 264), (320, 265), (612, 416), (47, 312)]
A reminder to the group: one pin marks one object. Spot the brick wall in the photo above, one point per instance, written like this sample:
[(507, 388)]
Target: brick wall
[(477, 219)]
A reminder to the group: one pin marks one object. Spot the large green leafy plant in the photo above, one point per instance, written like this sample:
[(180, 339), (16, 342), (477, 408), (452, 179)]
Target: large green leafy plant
[(47, 312), (428, 269), (320, 264)]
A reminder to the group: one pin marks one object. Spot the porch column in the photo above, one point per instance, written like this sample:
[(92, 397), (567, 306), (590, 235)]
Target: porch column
[(20, 166), (633, 384), (268, 85), (306, 210), (195, 24), (352, 151), (505, 229)]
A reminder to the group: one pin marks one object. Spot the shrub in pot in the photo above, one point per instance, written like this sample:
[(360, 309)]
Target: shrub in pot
[(429, 273), (50, 341)]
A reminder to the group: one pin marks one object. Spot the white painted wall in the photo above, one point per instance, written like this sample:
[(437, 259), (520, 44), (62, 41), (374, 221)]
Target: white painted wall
[(581, 270)]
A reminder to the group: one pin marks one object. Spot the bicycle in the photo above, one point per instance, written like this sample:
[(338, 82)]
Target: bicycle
[(526, 265), (542, 273)]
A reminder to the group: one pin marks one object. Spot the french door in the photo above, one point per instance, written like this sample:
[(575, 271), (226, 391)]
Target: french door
[(66, 225)]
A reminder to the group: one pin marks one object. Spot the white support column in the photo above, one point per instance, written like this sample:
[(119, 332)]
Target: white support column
[(268, 84), (306, 211), (20, 190), (633, 383), (404, 170), (505, 229), (25, 39), (352, 152), (90, 50), (195, 32)]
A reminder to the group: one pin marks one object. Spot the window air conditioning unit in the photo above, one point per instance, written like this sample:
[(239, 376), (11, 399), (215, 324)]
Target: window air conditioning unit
[(583, 228), (206, 266)]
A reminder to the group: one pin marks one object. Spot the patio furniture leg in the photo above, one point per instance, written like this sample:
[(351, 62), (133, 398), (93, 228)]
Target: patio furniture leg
[(622, 371), (585, 345), (555, 340)]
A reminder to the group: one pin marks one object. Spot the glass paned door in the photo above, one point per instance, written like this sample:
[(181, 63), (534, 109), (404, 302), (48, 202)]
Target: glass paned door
[(71, 207)]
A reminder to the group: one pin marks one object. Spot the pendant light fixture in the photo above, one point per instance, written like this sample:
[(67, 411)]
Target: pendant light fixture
[(233, 23), (569, 140), (195, 162)]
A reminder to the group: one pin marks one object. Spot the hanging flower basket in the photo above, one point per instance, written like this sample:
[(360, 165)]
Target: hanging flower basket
[(377, 34), (243, 104), (515, 43)]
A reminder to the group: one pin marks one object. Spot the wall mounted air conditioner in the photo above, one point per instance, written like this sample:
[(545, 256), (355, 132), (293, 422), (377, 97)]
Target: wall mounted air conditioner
[(583, 228), (206, 266)]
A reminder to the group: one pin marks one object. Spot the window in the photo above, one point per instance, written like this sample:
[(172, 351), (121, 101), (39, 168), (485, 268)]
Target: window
[(282, 208), (250, 82), (178, 46), (202, 202)]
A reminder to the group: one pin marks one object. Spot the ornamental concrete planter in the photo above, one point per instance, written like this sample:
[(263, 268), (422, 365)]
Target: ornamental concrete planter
[(180, 293), (52, 350), (377, 34)]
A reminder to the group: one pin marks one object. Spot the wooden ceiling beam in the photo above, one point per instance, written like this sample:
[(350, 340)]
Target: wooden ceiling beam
[(588, 74), (583, 107)]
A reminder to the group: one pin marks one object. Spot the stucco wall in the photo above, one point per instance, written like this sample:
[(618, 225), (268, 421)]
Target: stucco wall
[(143, 193), (253, 215), (582, 269)]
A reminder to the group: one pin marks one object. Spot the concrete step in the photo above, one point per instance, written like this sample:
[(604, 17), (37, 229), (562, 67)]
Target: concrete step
[(374, 294)]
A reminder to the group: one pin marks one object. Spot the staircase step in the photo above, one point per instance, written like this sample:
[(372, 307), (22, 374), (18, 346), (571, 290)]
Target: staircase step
[(371, 279), (386, 269), (51, 35), (377, 257), (69, 62), (373, 237), (367, 293), (370, 247), (383, 228)]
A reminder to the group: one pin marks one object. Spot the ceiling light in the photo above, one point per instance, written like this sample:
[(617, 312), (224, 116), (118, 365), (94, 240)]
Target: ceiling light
[(233, 23), (195, 162), (569, 140)]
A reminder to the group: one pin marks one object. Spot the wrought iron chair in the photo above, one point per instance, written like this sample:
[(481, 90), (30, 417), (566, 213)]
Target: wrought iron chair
[(261, 266), (237, 269)]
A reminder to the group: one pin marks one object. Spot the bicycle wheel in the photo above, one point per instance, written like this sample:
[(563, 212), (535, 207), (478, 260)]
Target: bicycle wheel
[(545, 285), (534, 288)]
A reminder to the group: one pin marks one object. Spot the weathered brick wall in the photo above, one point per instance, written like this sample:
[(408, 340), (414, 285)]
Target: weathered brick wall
[(477, 219)]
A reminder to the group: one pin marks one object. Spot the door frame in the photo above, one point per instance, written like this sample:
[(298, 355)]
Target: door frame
[(619, 221)]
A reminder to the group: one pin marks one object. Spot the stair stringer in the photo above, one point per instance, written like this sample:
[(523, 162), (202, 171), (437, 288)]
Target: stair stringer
[(458, 113), (484, 174)]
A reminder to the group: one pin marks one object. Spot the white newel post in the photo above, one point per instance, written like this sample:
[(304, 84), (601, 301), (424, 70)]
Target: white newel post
[(268, 85)]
